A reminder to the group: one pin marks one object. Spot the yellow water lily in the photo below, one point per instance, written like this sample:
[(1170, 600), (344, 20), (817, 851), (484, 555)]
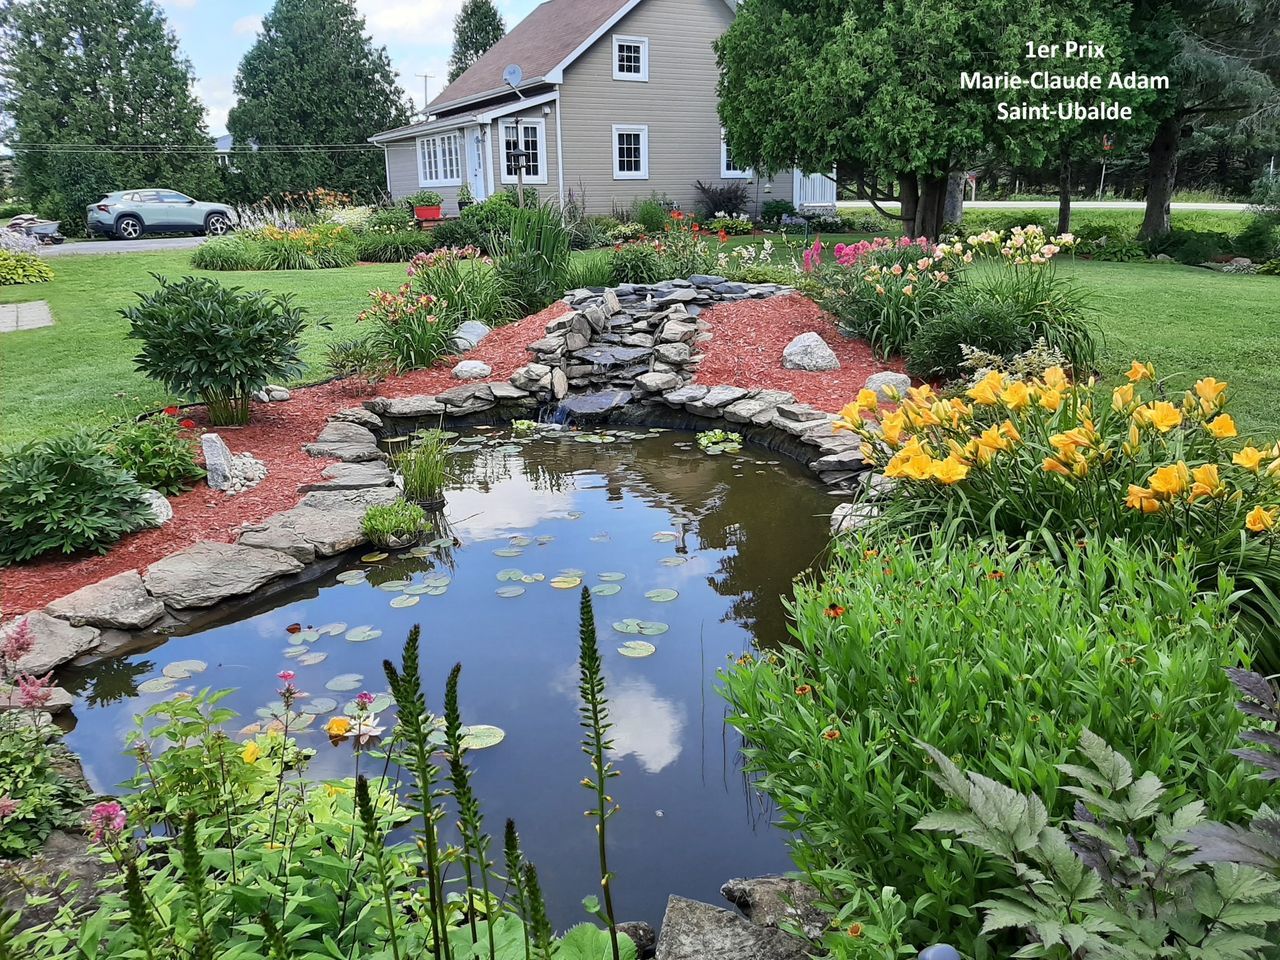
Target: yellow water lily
[(1261, 519), (1222, 426), (337, 727)]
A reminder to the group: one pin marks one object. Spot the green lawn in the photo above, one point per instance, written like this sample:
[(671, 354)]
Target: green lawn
[(1188, 321), (70, 373)]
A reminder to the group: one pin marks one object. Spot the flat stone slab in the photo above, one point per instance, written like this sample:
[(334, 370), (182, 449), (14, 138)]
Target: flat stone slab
[(774, 901), (365, 418), (596, 403), (699, 931), (611, 356), (348, 442), (716, 398), (351, 476), (343, 499), (657, 382), (305, 533), (25, 316), (207, 572), (120, 602), (54, 642), (409, 407), (687, 394)]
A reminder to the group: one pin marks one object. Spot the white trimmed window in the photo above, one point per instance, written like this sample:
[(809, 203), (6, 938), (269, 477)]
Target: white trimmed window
[(630, 152), (533, 133), (440, 160), (630, 58), (730, 168)]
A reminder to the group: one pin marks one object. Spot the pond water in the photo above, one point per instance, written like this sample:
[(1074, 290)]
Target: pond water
[(697, 549)]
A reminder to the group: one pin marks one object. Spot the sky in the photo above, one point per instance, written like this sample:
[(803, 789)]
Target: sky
[(418, 34)]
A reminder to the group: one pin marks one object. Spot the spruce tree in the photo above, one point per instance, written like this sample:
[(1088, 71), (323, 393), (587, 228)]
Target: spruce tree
[(313, 77), (99, 98), (477, 27)]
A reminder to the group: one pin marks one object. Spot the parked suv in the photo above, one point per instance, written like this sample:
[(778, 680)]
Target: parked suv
[(128, 214)]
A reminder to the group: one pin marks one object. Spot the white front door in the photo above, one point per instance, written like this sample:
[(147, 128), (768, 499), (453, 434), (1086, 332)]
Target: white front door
[(474, 138)]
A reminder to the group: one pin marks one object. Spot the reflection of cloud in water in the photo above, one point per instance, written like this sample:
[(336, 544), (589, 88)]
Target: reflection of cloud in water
[(645, 725), (507, 506)]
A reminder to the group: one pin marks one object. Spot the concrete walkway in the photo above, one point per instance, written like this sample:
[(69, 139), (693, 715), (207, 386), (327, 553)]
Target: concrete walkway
[(24, 316)]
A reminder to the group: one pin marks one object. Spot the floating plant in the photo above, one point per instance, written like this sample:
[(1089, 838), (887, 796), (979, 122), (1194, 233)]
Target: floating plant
[(611, 577), (405, 600), (364, 634), (566, 582), (157, 685), (480, 736), (662, 595), (637, 649), (665, 536), (605, 589), (345, 681), (647, 628), (182, 669), (510, 591), (374, 557), (674, 561)]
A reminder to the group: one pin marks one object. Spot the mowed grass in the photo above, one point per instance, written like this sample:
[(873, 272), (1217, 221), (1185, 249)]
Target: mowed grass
[(1190, 322), (80, 371)]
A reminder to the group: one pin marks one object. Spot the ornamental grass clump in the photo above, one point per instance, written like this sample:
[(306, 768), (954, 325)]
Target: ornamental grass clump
[(216, 344), (1057, 460), (1000, 657)]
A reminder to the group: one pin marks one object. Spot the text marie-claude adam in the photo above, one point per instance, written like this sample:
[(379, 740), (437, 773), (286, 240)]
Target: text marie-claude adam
[(1055, 81)]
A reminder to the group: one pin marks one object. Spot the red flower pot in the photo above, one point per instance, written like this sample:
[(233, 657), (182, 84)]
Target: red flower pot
[(427, 213)]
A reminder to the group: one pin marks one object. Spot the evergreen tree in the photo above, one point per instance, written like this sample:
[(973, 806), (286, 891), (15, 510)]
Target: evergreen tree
[(99, 98), (477, 27), (313, 77)]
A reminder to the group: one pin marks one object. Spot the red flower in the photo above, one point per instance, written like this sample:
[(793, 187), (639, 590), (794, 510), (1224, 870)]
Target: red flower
[(171, 411), (188, 424), (724, 236), (834, 611), (677, 215), (697, 227)]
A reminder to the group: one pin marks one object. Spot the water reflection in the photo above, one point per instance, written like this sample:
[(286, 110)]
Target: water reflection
[(726, 533)]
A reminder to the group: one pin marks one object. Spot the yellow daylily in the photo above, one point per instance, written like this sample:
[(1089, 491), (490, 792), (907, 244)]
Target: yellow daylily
[(1050, 399), (1141, 498), (1133, 444), (1052, 465), (251, 752), (891, 426), (1210, 393), (987, 390), (868, 400), (1138, 372), (949, 471), (1163, 415), (1222, 426), (1055, 378), (1207, 482), (1016, 396), (1122, 397), (1169, 481), (1248, 457), (1261, 519)]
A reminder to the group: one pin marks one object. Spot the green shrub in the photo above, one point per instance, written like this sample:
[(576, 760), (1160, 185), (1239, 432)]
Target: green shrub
[(398, 247), (716, 199), (423, 198), (320, 247), (159, 451), (33, 772), (457, 233), (389, 220), (20, 268), (235, 252), (1271, 268), (590, 269), (531, 261), (1193, 247), (651, 212), (772, 211), (738, 226), (65, 494), (1114, 250), (201, 339), (490, 218), (627, 232), (356, 357), (986, 323), (868, 221), (636, 262), (395, 525), (463, 286), (1000, 660), (1260, 239)]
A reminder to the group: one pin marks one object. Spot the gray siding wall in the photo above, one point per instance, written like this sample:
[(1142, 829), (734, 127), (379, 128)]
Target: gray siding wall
[(678, 104)]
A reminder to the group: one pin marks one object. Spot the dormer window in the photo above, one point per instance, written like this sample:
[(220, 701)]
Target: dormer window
[(630, 58)]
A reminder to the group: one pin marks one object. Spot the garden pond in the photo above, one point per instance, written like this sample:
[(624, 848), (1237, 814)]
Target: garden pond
[(687, 554)]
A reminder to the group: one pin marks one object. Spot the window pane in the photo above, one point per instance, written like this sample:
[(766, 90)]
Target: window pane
[(629, 159), (533, 162), (629, 56), (510, 145)]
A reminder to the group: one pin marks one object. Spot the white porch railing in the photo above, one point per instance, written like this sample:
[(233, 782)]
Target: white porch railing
[(814, 190)]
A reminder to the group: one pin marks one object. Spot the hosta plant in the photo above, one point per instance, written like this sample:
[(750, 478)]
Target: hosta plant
[(1118, 879), (1057, 460), (20, 268), (219, 344)]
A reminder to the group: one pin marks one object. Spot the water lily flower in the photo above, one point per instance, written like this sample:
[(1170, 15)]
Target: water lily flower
[(337, 727)]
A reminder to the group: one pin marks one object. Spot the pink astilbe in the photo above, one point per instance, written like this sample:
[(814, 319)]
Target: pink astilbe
[(17, 643), (8, 807), (106, 820), (34, 693), (813, 256)]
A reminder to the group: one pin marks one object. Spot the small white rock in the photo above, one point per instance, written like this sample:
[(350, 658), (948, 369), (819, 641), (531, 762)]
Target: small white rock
[(472, 370)]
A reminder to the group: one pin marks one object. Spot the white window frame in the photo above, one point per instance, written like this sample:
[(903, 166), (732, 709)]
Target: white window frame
[(725, 172), (643, 44), (541, 127), (437, 142), (643, 130)]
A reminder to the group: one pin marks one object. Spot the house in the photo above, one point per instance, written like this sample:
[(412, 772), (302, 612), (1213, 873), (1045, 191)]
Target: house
[(617, 101)]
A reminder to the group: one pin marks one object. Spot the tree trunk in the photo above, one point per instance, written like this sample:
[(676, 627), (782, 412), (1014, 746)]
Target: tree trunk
[(1064, 191), (1162, 171), (931, 206), (909, 194), (953, 209)]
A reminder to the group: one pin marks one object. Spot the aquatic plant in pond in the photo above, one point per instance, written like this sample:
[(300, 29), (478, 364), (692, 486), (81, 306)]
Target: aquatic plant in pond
[(424, 467)]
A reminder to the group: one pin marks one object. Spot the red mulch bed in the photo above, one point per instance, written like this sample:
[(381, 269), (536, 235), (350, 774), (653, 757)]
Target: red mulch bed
[(746, 351), (275, 435)]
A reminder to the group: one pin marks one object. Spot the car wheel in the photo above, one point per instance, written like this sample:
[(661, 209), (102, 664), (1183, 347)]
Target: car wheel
[(218, 225), (128, 228)]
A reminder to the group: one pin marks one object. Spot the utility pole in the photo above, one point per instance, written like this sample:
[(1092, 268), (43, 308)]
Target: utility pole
[(426, 90)]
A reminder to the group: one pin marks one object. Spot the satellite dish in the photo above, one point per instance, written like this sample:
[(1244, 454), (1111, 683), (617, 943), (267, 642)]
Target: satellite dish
[(512, 75)]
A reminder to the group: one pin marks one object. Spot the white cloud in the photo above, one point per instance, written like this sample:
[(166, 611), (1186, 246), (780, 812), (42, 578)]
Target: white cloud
[(248, 25), (217, 93), (429, 22)]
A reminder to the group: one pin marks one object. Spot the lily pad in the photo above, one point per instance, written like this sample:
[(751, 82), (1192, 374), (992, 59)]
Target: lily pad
[(332, 629), (653, 628), (416, 589), (436, 591), (365, 633), (674, 561), (405, 600), (544, 538), (394, 586), (345, 681), (510, 573), (533, 578), (662, 595), (479, 736), (441, 542), (520, 541), (605, 589), (320, 705), (420, 552), (563, 582), (574, 515), (630, 625), (373, 557), (508, 552), (440, 580), (510, 591), (312, 658), (295, 651), (310, 635), (637, 649), (182, 669), (381, 702), (611, 577), (352, 577), (157, 685), (665, 536), (572, 572)]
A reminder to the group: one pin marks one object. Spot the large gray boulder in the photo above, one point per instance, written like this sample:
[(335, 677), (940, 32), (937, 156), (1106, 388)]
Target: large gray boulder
[(469, 334), (348, 442), (217, 461), (886, 383), (698, 931), (54, 642), (305, 533), (809, 352), (471, 370), (778, 902), (120, 602), (207, 572)]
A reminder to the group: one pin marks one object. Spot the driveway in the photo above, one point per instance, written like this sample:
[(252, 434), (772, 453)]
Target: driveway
[(71, 248)]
